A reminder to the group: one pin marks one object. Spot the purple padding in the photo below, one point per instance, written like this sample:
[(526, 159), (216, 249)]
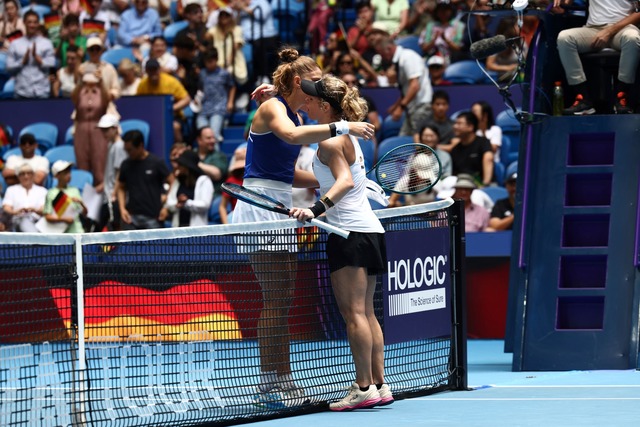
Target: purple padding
[(585, 231), (594, 149), (583, 271), (588, 190), (580, 312)]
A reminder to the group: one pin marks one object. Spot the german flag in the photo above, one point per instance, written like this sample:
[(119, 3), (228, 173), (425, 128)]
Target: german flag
[(194, 311), (86, 5), (14, 35), (92, 26), (61, 202), (220, 3), (52, 20)]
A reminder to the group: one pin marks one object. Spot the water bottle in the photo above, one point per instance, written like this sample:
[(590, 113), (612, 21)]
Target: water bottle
[(558, 99)]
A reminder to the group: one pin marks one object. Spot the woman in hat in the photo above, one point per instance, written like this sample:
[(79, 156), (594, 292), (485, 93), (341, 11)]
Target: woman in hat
[(191, 194), (24, 201)]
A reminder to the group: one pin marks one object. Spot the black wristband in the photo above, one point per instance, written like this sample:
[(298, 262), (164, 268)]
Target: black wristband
[(317, 209), (332, 128)]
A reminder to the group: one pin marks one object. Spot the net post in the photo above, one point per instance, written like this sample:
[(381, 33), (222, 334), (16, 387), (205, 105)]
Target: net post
[(459, 312), (77, 323)]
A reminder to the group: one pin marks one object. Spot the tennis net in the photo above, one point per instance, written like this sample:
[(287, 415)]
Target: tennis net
[(159, 327)]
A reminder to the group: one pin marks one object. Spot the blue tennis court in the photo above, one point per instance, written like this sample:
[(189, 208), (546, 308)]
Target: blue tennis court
[(501, 397)]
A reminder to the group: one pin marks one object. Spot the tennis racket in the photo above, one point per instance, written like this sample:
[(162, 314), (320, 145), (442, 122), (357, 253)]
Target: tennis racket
[(260, 200), (408, 169)]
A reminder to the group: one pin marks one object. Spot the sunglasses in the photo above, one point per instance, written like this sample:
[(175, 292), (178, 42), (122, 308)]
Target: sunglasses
[(28, 142)]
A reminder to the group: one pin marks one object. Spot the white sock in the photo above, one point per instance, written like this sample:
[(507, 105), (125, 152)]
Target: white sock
[(267, 381)]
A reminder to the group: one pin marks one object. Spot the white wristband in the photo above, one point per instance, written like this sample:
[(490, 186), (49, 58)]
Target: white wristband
[(342, 128)]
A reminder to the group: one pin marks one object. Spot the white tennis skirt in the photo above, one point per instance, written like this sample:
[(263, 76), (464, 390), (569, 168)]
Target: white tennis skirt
[(282, 240)]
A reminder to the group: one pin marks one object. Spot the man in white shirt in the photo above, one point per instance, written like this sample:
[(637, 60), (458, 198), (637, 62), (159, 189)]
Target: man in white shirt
[(39, 164), (30, 58), (116, 154), (413, 81)]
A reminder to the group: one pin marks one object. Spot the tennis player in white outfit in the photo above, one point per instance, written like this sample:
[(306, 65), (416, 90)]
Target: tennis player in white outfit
[(355, 262)]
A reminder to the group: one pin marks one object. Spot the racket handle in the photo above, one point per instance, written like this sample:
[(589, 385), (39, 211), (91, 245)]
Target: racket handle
[(328, 227)]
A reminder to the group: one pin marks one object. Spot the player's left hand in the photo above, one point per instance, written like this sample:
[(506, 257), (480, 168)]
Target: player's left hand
[(301, 214), (362, 130)]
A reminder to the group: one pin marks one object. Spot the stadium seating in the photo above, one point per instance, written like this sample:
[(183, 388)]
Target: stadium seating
[(3, 185), (114, 55), (288, 23), (8, 89), (498, 172), (513, 167), (4, 75), (214, 210), (390, 127), (247, 51), (171, 30), (496, 193), (410, 42), (173, 11), (233, 132), (465, 72), (136, 124), (389, 144), (68, 135), (238, 118), (505, 150), (79, 178), (40, 9), (229, 146), (45, 133), (16, 151), (455, 114), (61, 152), (510, 130), (291, 5)]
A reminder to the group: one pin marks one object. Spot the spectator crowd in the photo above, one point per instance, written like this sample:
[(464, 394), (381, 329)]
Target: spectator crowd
[(209, 56)]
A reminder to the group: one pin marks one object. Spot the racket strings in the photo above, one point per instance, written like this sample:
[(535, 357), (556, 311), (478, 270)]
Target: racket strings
[(410, 169)]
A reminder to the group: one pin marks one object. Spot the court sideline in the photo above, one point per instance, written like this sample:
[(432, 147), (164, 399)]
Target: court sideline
[(504, 398)]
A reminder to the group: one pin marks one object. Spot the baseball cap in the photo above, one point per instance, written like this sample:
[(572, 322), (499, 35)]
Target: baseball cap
[(90, 78), (59, 166), (94, 41), (512, 177), (464, 182), (435, 60), (108, 121)]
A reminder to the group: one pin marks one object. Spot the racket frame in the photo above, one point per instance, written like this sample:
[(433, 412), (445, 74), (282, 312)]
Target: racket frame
[(276, 206), (375, 169)]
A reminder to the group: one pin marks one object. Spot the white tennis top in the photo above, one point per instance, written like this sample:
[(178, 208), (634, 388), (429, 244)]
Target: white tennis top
[(353, 212)]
